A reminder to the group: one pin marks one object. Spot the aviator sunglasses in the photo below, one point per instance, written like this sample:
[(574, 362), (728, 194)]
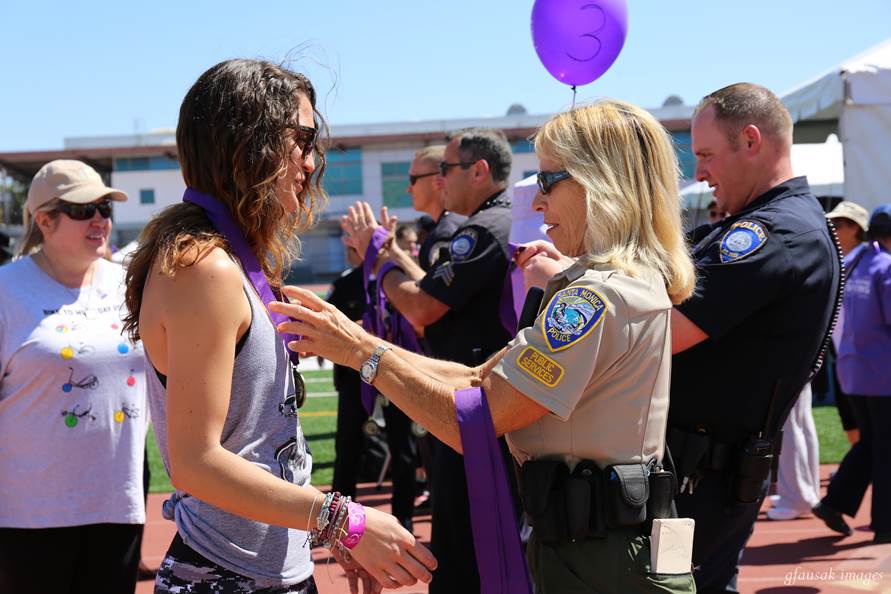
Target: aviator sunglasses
[(84, 212), (547, 179)]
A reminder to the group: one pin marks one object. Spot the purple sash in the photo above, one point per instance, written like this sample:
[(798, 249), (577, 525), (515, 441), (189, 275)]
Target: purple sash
[(222, 219), (371, 319), (496, 541)]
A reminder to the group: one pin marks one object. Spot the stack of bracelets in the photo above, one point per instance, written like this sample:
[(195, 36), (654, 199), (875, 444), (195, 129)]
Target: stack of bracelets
[(339, 525)]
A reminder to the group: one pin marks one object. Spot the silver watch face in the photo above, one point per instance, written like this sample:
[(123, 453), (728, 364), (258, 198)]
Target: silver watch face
[(366, 371)]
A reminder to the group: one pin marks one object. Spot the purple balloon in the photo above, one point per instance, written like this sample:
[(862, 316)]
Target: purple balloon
[(578, 40)]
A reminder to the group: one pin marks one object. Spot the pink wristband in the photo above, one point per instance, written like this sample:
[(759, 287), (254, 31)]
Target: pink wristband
[(355, 525)]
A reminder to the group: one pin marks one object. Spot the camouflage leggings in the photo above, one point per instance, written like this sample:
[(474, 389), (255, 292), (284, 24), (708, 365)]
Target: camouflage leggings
[(184, 571)]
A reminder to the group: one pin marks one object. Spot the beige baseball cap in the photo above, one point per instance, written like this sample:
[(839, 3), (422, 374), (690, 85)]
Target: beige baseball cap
[(71, 181), (852, 211)]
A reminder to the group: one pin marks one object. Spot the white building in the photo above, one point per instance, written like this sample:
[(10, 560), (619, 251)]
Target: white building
[(365, 162)]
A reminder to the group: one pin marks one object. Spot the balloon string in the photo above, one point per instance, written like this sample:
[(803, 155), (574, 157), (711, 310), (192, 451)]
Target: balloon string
[(573, 96)]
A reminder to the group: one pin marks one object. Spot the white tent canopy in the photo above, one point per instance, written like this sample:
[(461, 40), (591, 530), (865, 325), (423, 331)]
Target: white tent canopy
[(858, 93), (822, 163)]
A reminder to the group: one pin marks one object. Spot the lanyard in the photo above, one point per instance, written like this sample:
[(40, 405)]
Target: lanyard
[(221, 218)]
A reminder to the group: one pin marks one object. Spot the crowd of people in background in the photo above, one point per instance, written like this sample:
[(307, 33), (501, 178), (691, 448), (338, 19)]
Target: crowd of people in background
[(191, 330)]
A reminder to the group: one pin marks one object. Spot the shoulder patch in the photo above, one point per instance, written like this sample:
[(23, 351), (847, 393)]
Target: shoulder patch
[(541, 367), (742, 239), (433, 254), (571, 315), (462, 244)]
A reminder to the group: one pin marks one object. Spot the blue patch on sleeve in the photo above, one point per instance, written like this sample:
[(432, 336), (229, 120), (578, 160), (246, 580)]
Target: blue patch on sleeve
[(571, 315), (462, 245), (742, 239)]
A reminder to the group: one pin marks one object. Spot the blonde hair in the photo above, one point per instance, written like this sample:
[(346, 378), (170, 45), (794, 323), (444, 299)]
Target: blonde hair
[(32, 238), (624, 160), (433, 153)]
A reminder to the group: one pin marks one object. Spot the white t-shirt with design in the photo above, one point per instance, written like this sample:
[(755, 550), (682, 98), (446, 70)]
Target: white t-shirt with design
[(73, 413)]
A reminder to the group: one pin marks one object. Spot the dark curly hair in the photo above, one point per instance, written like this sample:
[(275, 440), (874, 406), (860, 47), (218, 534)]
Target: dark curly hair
[(237, 125)]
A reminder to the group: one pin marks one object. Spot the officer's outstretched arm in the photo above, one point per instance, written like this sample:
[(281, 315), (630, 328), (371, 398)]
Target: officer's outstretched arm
[(684, 333), (406, 380), (419, 307)]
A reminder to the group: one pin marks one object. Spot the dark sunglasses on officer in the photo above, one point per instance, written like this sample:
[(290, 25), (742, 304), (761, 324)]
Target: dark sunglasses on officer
[(413, 179), (547, 179)]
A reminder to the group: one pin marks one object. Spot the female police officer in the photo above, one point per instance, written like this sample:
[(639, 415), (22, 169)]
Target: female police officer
[(583, 393)]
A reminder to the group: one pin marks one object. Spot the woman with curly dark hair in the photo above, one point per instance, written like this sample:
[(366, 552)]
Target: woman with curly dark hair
[(224, 394)]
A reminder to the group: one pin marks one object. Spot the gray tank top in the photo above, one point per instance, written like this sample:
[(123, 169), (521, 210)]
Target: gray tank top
[(262, 427)]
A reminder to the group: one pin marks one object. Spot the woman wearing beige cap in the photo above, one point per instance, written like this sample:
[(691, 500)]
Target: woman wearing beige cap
[(73, 413)]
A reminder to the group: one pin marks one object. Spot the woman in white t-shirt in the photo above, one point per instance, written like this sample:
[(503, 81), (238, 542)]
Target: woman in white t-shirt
[(73, 414)]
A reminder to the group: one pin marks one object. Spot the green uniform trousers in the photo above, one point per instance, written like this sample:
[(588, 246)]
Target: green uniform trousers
[(618, 563)]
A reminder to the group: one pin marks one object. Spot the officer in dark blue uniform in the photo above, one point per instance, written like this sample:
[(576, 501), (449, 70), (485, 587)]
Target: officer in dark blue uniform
[(747, 342), (457, 302)]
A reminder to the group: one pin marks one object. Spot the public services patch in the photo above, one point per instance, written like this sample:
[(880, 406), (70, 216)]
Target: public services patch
[(743, 239), (571, 314), (541, 367), (462, 245)]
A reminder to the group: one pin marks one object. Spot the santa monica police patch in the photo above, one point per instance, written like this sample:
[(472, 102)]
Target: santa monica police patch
[(571, 314), (743, 238), (462, 245)]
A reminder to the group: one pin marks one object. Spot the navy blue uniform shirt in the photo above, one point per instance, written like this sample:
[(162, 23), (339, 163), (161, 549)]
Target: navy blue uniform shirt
[(767, 281), (471, 282), (439, 239)]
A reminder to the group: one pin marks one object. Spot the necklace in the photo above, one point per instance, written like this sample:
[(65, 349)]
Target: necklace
[(50, 270)]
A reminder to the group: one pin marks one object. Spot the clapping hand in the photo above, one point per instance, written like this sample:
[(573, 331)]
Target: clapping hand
[(359, 225)]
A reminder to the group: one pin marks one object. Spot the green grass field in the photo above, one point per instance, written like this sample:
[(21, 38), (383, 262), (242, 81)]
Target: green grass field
[(319, 415)]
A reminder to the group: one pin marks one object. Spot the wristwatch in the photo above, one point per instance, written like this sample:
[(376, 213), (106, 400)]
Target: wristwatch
[(368, 371)]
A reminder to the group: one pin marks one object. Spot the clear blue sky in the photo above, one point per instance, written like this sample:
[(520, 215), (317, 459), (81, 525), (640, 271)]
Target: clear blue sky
[(100, 68)]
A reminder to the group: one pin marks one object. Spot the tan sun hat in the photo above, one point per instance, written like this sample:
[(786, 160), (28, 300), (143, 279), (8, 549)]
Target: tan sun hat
[(852, 211), (71, 181)]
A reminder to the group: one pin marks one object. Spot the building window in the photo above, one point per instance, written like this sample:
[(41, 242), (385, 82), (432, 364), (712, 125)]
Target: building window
[(683, 145), (394, 179), (343, 173), (147, 196), (522, 146), (145, 164)]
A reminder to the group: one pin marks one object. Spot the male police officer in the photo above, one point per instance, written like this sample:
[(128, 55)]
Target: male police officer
[(457, 302), (746, 343), (425, 185)]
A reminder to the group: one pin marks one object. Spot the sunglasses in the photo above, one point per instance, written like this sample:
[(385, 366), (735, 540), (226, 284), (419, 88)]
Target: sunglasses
[(305, 138), (444, 167), (84, 212), (547, 179), (413, 179)]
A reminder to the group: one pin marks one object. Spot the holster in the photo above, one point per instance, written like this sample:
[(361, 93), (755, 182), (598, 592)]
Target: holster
[(746, 466), (565, 507), (752, 469)]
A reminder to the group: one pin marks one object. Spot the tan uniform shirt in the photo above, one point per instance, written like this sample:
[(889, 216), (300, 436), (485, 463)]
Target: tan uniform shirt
[(599, 359)]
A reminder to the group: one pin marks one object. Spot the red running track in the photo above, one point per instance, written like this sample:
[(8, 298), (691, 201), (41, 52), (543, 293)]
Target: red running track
[(792, 557)]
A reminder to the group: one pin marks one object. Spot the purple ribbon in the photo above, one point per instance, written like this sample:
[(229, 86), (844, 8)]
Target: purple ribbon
[(499, 555), (222, 219), (371, 319)]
